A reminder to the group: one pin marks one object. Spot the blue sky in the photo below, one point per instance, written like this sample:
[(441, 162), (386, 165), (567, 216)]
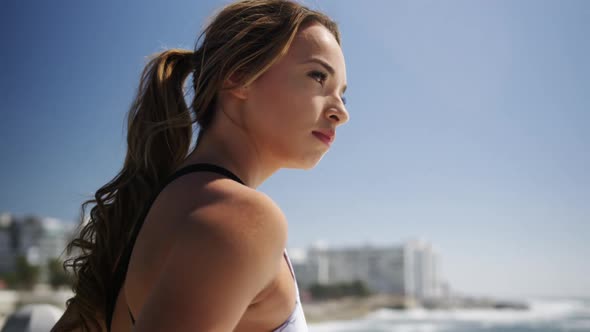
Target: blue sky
[(469, 127)]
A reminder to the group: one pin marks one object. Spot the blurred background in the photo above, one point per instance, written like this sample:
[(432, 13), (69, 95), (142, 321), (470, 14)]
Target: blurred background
[(455, 199)]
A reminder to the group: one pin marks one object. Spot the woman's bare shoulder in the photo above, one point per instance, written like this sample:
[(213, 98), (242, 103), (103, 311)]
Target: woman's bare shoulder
[(225, 254), (245, 213), (220, 203)]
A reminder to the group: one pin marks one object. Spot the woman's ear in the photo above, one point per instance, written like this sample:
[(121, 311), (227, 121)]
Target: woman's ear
[(234, 86)]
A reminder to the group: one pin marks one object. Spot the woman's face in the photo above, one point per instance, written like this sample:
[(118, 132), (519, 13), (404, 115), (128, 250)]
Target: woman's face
[(300, 94)]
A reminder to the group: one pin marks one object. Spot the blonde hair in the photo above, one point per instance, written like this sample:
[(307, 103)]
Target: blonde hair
[(245, 38)]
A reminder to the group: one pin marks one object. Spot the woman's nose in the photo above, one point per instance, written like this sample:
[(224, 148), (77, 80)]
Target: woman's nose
[(338, 114)]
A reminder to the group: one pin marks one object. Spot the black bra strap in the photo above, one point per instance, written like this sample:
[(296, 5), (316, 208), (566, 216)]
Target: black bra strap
[(131, 316), (121, 269), (203, 167)]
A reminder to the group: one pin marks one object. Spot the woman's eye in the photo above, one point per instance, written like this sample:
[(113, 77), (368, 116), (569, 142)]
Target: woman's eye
[(343, 100), (318, 76)]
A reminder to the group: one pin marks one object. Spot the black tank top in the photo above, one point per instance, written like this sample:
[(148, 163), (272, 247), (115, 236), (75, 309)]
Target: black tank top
[(121, 268)]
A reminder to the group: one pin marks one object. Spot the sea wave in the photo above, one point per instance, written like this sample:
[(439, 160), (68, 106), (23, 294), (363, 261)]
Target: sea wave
[(564, 315), (539, 310), (376, 326)]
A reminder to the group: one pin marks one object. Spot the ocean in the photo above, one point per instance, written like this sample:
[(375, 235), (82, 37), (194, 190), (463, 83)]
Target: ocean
[(543, 316)]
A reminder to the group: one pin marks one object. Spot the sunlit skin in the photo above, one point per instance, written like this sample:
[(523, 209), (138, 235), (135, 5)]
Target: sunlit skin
[(268, 125), (209, 256)]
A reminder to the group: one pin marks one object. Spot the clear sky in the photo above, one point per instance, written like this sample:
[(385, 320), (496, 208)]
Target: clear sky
[(469, 127)]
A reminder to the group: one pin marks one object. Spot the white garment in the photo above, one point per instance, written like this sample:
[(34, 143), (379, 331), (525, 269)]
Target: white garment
[(296, 322)]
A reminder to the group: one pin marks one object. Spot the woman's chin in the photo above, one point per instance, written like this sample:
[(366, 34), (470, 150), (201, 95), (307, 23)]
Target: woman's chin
[(306, 163)]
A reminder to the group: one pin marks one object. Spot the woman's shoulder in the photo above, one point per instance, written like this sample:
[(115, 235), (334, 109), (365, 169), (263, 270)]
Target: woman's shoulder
[(229, 248), (205, 205), (240, 211)]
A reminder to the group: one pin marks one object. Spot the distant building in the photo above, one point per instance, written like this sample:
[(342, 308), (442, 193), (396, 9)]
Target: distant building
[(37, 239), (7, 243), (422, 270), (411, 269)]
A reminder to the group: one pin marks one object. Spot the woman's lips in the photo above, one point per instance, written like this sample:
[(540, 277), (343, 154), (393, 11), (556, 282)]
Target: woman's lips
[(323, 138)]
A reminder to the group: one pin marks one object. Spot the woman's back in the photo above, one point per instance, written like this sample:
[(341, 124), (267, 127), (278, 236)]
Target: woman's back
[(204, 217)]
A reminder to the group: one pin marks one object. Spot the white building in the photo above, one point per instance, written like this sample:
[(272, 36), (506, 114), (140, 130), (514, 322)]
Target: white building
[(38, 239), (422, 274), (410, 269)]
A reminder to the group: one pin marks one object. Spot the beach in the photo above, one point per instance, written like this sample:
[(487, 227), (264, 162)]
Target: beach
[(544, 315)]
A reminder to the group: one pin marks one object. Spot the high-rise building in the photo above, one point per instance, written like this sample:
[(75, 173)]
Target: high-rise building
[(410, 269), (422, 275), (37, 239)]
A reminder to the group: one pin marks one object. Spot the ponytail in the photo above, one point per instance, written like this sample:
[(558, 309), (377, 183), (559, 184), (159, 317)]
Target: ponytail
[(159, 134)]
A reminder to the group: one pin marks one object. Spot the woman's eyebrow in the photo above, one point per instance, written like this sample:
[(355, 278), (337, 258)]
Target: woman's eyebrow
[(326, 65)]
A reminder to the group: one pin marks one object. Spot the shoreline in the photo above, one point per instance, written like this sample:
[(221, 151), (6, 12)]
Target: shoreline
[(345, 308), (349, 308)]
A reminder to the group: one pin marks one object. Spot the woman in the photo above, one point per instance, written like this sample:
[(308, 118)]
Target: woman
[(181, 240)]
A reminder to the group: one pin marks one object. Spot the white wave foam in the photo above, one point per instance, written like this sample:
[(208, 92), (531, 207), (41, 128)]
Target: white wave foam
[(421, 327), (540, 310), (344, 326), (422, 320), (375, 326)]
